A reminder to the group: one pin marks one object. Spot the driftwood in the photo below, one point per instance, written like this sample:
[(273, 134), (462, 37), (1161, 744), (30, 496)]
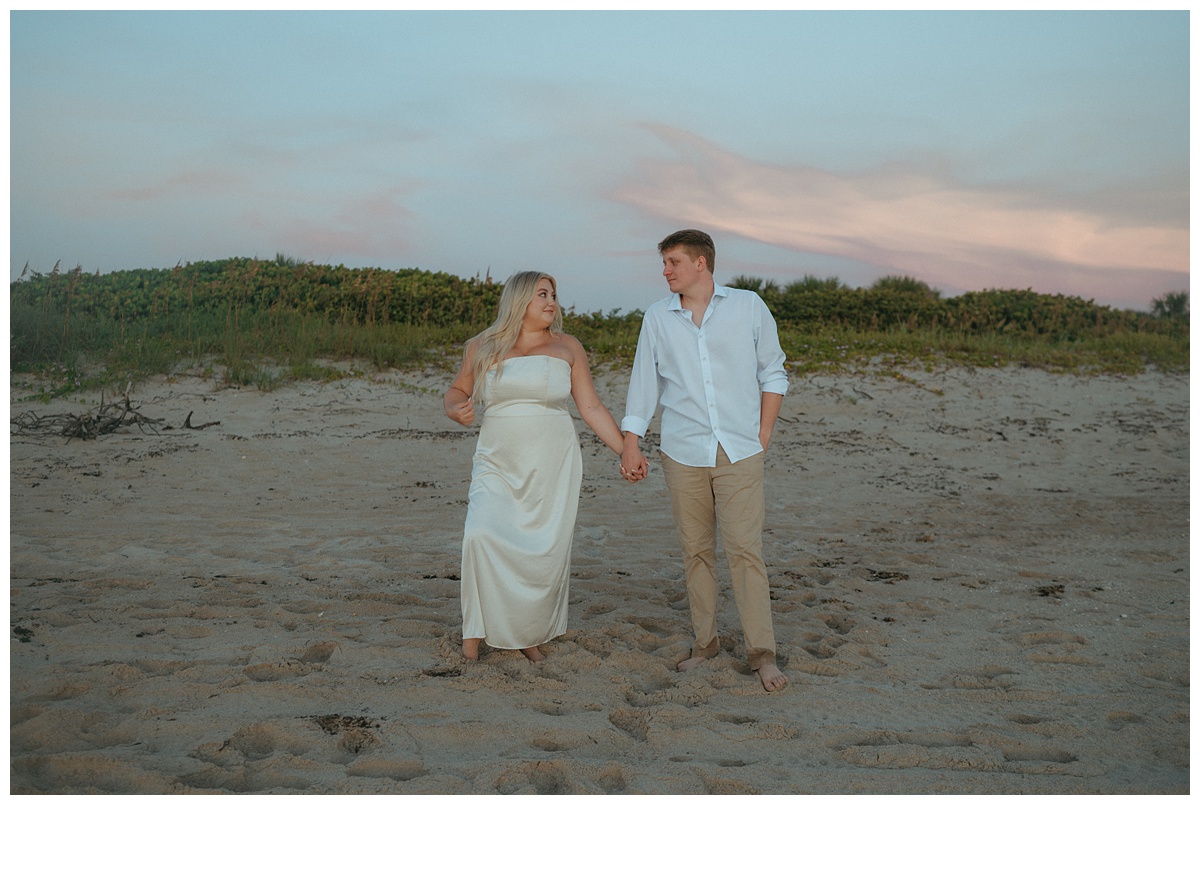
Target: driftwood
[(187, 422), (105, 418)]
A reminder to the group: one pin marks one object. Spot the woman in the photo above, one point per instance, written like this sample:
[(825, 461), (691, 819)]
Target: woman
[(516, 553)]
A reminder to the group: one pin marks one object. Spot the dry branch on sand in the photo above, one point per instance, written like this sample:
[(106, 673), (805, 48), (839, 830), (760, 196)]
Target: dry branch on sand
[(105, 418), (187, 422)]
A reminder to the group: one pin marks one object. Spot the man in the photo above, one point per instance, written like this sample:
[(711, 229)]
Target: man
[(711, 355)]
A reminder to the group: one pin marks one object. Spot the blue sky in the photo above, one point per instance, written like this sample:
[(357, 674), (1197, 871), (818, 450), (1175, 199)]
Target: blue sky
[(970, 150)]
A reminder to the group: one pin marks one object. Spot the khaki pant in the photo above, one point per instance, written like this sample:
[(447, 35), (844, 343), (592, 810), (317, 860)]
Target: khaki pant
[(730, 495)]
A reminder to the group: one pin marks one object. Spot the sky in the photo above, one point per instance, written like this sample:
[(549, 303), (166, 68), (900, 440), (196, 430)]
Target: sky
[(970, 150)]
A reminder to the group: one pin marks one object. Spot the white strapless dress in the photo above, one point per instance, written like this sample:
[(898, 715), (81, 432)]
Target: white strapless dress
[(525, 478)]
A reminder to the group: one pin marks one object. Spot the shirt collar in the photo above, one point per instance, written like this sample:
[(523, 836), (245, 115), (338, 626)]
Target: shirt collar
[(677, 304)]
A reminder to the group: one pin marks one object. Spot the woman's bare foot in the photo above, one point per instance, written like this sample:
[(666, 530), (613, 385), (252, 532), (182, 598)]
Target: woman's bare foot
[(772, 677), (471, 649), (533, 653)]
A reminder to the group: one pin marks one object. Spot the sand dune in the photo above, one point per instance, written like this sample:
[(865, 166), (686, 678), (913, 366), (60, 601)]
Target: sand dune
[(980, 580)]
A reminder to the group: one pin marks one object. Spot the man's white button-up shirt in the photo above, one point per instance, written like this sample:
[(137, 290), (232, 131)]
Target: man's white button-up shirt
[(709, 379)]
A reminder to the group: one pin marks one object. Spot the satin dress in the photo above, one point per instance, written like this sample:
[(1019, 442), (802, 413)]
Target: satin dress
[(524, 496)]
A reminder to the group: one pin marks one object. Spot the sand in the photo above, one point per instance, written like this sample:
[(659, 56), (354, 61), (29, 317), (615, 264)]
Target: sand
[(980, 582)]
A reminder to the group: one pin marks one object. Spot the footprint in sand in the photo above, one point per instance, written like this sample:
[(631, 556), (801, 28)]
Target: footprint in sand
[(274, 672), (546, 778), (635, 723), (393, 769), (820, 646), (558, 741), (612, 779), (724, 786)]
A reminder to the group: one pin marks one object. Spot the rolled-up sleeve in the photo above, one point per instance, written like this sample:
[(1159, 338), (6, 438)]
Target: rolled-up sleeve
[(772, 374), (642, 398)]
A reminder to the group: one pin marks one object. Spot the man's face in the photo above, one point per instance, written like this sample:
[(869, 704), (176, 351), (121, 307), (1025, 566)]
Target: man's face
[(683, 272)]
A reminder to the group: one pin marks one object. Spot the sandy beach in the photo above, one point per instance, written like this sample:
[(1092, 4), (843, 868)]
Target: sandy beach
[(980, 582)]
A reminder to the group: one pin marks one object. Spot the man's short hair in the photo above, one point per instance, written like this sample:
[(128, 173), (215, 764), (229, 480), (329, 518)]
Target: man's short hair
[(694, 242)]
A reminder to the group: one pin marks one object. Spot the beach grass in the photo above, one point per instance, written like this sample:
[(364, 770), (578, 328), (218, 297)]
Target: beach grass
[(839, 350), (261, 349), (257, 324)]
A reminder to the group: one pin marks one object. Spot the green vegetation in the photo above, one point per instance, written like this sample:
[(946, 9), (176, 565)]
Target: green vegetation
[(258, 322), (827, 326), (245, 321), (1172, 306)]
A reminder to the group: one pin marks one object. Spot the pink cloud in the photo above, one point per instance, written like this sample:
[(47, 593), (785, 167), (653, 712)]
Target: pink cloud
[(948, 233), (370, 226), (190, 183)]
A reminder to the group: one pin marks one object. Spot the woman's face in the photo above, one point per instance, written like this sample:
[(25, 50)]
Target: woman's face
[(542, 309)]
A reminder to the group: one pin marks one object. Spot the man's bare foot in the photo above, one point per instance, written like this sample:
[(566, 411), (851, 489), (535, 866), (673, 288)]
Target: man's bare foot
[(689, 664), (772, 677), (471, 649), (533, 653)]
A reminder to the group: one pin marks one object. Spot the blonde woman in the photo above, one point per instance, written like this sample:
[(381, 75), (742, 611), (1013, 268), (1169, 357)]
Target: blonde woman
[(525, 477)]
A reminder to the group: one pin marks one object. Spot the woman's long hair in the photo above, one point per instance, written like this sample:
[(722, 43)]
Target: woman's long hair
[(498, 338)]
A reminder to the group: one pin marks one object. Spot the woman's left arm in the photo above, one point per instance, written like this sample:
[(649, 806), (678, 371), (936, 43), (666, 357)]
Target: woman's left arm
[(591, 410)]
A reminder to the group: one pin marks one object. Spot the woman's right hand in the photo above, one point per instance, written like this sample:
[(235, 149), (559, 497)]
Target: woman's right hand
[(463, 413), (457, 401)]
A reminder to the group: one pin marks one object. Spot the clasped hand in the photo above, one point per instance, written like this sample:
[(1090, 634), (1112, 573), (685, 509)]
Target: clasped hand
[(635, 467)]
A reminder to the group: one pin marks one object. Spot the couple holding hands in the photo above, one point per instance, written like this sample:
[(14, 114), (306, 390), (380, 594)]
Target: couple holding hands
[(710, 356)]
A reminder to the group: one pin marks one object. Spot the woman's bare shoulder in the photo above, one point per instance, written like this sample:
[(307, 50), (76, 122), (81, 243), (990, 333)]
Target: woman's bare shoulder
[(569, 340)]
